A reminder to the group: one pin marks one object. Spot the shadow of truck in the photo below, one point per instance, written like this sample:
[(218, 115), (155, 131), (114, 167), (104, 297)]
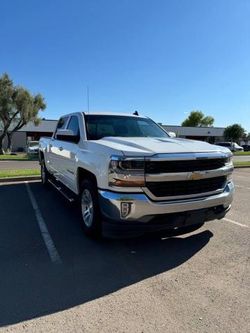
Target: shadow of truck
[(31, 286)]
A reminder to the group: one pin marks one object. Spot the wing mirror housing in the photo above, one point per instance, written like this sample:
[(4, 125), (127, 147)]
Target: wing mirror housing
[(67, 135), (172, 134)]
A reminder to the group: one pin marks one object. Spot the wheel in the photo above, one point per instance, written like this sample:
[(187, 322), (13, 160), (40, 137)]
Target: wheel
[(90, 212), (44, 173)]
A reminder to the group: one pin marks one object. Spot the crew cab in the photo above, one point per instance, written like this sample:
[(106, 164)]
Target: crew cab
[(130, 177)]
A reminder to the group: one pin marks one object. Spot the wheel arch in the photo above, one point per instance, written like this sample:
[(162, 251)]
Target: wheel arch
[(84, 174), (41, 155)]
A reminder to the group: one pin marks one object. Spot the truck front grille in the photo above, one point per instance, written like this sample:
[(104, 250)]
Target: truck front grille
[(186, 187), (154, 167)]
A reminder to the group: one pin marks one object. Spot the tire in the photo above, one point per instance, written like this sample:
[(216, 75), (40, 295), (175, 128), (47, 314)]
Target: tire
[(44, 173), (89, 208)]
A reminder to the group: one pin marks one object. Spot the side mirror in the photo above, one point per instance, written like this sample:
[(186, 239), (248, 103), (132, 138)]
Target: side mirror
[(172, 134), (67, 135)]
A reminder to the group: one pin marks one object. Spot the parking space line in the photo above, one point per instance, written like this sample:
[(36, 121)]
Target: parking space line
[(237, 223), (54, 255)]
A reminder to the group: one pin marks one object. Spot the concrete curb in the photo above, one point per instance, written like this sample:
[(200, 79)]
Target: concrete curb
[(19, 179), (242, 167)]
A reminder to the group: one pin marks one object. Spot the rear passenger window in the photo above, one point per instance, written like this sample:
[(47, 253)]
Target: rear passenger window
[(73, 125)]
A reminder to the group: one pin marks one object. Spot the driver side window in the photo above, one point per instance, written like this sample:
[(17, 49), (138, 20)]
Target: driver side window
[(73, 125), (61, 124)]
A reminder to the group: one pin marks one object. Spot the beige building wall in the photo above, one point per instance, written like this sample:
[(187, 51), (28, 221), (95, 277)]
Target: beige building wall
[(18, 141)]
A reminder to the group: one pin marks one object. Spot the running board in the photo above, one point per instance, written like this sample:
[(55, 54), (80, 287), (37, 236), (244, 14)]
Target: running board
[(60, 189)]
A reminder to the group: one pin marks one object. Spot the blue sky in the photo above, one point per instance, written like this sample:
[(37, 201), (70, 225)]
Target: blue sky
[(161, 57)]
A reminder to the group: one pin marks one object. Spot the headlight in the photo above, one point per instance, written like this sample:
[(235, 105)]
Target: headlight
[(126, 172), (229, 159)]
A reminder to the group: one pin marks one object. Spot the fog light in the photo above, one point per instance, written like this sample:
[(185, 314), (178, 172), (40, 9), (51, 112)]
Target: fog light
[(125, 209)]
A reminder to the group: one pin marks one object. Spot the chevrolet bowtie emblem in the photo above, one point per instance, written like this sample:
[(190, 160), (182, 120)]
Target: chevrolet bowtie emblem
[(196, 175)]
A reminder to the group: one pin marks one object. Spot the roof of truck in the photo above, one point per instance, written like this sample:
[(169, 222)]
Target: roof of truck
[(105, 113)]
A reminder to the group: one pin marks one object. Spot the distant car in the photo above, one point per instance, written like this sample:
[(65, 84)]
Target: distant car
[(237, 147), (33, 147), (233, 146), (246, 147)]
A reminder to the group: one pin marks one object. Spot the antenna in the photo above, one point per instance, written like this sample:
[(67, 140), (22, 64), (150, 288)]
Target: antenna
[(88, 98)]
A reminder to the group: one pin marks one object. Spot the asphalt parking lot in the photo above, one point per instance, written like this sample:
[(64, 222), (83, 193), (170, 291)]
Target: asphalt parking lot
[(54, 279), (13, 165)]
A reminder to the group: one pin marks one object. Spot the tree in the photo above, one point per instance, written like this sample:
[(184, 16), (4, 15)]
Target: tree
[(246, 137), (17, 108), (28, 107), (197, 118), (7, 114), (234, 132)]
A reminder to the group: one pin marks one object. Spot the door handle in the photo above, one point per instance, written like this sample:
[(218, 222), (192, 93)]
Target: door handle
[(60, 148)]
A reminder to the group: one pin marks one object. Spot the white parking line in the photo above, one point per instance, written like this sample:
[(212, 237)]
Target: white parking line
[(237, 223), (54, 255)]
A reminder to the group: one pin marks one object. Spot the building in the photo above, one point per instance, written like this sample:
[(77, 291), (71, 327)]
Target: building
[(209, 134), (30, 132)]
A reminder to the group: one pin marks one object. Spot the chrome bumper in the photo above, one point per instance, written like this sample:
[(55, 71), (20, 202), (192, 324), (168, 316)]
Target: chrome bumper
[(142, 209)]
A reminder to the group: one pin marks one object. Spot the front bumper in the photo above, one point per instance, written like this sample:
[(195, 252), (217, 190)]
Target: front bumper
[(147, 215)]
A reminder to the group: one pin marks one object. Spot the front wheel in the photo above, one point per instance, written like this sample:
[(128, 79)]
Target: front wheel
[(90, 212)]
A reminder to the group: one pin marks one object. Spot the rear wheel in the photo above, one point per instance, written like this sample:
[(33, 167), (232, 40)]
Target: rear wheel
[(90, 212)]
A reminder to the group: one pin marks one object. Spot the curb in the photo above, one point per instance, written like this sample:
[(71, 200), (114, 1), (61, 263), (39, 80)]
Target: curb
[(242, 167), (19, 179)]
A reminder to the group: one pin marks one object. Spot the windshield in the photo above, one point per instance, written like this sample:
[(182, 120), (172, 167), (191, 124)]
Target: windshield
[(99, 126), (224, 144), (33, 143)]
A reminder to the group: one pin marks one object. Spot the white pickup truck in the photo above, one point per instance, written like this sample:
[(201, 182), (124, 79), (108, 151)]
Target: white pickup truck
[(131, 177)]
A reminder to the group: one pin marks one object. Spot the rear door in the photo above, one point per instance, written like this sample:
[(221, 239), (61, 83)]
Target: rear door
[(68, 154), (56, 147)]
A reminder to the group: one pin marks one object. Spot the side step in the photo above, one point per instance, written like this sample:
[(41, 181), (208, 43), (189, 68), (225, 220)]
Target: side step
[(63, 191)]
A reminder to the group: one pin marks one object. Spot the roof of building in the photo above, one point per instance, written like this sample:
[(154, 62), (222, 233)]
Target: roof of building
[(195, 131), (44, 126)]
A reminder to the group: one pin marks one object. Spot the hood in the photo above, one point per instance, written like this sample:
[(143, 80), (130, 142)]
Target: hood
[(151, 146)]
